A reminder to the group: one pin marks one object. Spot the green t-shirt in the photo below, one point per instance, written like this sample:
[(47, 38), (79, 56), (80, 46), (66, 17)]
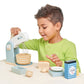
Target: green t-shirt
[(64, 49)]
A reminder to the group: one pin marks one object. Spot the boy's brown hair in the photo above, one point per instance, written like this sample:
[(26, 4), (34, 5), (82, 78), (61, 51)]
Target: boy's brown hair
[(53, 13)]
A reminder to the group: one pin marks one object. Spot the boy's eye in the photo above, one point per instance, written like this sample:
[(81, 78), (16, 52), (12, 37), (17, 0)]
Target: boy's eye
[(44, 27)]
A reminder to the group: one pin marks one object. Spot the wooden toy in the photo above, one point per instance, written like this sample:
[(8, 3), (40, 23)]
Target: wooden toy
[(56, 73), (25, 65), (10, 63), (23, 58), (12, 46), (11, 52), (56, 68), (43, 66), (29, 73), (77, 72), (70, 69), (18, 70)]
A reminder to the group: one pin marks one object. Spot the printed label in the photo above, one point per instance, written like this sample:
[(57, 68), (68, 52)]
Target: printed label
[(8, 47), (72, 70)]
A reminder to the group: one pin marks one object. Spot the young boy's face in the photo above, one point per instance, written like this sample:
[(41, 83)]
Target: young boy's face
[(46, 29)]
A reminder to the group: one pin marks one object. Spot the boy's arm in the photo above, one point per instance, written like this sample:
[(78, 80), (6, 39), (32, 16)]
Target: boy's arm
[(30, 44), (71, 55)]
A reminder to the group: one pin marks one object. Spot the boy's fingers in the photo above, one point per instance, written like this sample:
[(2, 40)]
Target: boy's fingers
[(49, 57), (15, 31), (54, 56), (59, 63), (55, 60)]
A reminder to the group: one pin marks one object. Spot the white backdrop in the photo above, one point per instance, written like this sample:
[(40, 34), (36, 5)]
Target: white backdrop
[(20, 13)]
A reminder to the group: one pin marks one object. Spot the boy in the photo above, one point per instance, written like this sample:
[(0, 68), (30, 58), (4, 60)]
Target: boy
[(52, 47)]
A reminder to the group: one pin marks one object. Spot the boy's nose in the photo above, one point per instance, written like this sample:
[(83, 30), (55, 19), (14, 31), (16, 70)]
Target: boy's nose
[(40, 30)]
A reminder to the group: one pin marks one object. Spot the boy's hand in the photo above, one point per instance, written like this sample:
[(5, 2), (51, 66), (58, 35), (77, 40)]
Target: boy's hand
[(55, 60), (15, 31)]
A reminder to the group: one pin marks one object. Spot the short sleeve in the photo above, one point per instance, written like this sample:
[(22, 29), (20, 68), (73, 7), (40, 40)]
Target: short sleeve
[(72, 55)]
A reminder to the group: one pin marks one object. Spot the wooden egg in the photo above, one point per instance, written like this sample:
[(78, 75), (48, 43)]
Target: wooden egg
[(29, 73)]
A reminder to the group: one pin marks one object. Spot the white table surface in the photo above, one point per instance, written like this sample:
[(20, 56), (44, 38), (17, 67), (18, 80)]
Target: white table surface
[(8, 77)]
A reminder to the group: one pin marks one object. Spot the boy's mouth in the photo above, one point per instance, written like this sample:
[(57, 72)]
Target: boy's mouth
[(43, 35)]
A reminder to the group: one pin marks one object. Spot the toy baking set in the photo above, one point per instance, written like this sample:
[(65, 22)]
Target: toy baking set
[(13, 56)]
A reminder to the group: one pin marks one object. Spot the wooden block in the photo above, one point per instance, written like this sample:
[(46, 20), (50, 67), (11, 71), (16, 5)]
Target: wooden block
[(43, 66)]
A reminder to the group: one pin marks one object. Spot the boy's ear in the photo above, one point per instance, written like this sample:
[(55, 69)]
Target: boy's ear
[(58, 26)]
